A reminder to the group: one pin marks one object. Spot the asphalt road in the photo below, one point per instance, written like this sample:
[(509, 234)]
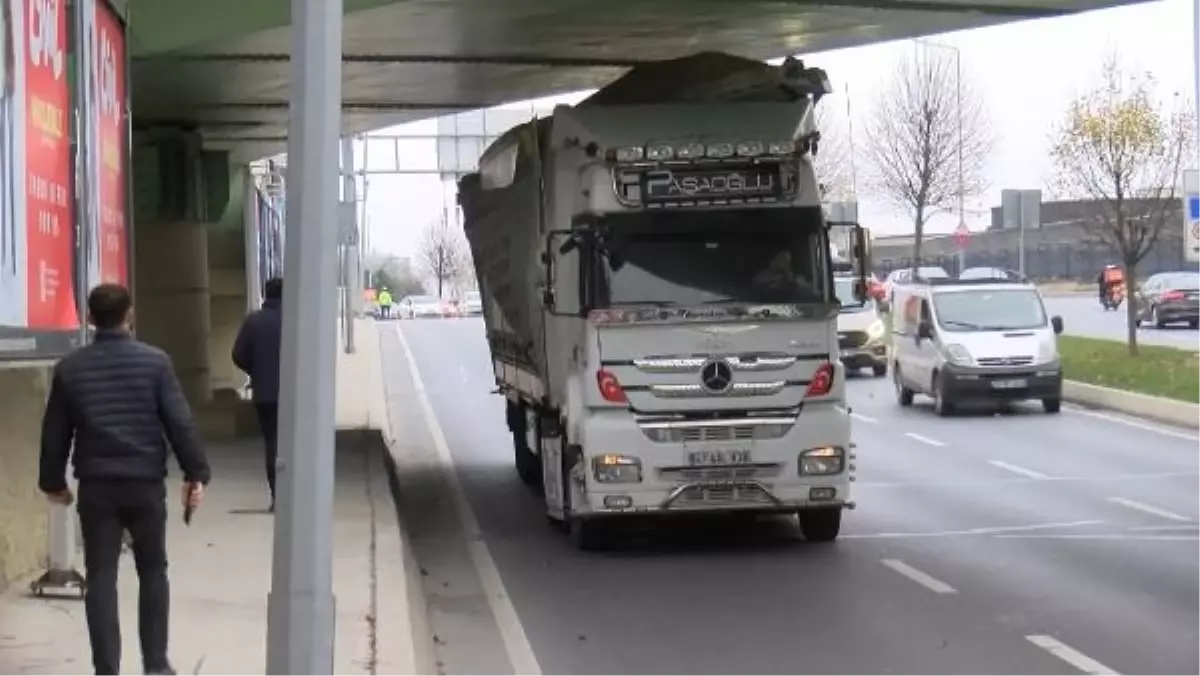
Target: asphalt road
[(1083, 316), (1021, 544)]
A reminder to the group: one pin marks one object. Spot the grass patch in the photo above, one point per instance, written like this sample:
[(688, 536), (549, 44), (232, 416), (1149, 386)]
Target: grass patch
[(1159, 371)]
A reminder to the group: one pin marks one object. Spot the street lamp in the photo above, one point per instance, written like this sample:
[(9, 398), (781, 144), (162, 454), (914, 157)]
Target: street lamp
[(962, 208)]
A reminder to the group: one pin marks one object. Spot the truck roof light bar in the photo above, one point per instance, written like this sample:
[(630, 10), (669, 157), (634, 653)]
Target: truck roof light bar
[(693, 151)]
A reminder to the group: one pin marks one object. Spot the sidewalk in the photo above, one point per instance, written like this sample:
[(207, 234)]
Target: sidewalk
[(220, 576)]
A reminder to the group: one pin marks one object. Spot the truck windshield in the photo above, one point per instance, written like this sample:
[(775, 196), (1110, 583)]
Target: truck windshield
[(691, 258), (989, 310)]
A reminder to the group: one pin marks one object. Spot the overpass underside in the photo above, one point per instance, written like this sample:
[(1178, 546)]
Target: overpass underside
[(210, 85)]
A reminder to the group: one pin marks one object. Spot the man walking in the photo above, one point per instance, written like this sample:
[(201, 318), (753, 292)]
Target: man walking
[(118, 400), (256, 351)]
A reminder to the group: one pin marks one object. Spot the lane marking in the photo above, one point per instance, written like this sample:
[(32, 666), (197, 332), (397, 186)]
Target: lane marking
[(516, 643), (924, 579), (987, 530), (1099, 536), (1128, 422), (992, 482), (864, 418), (1142, 529), (1068, 654), (1017, 469), (923, 439), (1149, 509)]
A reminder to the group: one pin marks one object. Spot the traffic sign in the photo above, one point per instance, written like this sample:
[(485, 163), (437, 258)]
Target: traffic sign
[(962, 235), (1191, 212)]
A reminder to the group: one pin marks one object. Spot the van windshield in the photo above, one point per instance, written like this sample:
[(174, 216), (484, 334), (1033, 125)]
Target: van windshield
[(989, 310)]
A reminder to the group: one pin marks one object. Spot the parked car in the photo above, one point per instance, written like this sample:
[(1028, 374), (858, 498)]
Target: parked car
[(420, 307), (1168, 298)]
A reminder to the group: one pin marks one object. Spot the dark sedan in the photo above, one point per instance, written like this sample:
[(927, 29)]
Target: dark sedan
[(1170, 298)]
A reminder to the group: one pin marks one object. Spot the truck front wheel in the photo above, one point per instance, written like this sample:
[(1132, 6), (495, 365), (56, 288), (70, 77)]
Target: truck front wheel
[(529, 466), (820, 525)]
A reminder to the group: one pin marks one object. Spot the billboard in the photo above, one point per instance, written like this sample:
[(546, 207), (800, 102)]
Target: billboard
[(104, 144), (39, 316)]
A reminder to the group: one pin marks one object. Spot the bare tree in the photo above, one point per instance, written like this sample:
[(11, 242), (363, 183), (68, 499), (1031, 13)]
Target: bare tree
[(923, 123), (443, 255), (1120, 148), (833, 162)]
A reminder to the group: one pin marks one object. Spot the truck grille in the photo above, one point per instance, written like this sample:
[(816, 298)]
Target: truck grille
[(732, 493), (1005, 361), (683, 475), (848, 339), (717, 433)]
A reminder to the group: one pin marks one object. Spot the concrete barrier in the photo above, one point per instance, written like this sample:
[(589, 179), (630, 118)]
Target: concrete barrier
[(1161, 409)]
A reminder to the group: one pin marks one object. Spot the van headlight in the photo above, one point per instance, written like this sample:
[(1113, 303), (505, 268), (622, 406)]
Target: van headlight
[(875, 330), (822, 461), (957, 354), (616, 469)]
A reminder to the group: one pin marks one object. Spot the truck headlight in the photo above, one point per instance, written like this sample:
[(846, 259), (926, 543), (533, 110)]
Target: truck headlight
[(616, 469), (822, 461), (957, 354)]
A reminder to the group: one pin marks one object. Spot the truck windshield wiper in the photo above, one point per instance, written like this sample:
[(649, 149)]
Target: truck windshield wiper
[(963, 325)]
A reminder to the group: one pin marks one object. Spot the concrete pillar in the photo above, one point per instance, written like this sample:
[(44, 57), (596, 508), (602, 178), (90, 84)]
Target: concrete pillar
[(23, 509), (173, 299)]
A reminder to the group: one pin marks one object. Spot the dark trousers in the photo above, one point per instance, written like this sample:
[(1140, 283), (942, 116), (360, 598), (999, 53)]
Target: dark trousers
[(268, 422), (107, 508)]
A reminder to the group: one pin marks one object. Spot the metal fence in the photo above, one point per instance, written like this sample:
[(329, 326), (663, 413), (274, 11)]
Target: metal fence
[(1076, 261)]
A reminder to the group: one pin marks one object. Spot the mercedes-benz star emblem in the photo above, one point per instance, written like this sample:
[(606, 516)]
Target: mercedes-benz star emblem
[(716, 376)]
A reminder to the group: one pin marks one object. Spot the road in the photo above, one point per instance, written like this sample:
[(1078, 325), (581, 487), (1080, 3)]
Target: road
[(1083, 316), (1021, 544)]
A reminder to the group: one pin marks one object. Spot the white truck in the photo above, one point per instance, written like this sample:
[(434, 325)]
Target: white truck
[(659, 300)]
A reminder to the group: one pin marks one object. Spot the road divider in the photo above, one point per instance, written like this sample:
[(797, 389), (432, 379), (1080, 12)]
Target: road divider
[(1160, 409), (1161, 372)]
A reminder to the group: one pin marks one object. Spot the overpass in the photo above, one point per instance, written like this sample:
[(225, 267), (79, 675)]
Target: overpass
[(209, 85)]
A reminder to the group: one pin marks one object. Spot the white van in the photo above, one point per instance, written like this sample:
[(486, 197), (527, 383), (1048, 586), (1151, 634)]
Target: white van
[(862, 334), (980, 340)]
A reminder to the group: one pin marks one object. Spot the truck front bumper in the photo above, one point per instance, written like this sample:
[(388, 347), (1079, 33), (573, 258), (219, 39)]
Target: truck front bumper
[(767, 480)]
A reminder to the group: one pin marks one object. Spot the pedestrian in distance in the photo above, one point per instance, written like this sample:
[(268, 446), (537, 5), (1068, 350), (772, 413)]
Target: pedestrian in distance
[(119, 404), (256, 352)]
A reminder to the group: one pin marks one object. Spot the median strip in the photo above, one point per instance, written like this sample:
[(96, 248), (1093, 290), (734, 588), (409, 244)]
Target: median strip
[(1157, 371)]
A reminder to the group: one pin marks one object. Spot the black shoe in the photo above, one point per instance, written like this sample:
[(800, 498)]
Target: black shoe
[(165, 671)]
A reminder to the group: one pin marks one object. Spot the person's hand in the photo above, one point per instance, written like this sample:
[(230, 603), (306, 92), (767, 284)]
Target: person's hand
[(64, 497), (193, 494)]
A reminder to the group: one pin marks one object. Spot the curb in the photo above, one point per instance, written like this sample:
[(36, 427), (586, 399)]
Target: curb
[(1159, 409)]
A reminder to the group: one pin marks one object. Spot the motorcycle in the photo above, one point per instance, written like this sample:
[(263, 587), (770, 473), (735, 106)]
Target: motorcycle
[(1113, 298)]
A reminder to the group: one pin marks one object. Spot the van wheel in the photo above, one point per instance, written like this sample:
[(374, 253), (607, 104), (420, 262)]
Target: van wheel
[(904, 396), (879, 370), (820, 525), (940, 405), (1053, 405)]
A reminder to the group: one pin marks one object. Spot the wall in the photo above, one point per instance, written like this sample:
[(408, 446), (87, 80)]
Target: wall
[(23, 513)]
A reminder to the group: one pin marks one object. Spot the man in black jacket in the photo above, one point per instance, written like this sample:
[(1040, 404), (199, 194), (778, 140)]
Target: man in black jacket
[(256, 351), (118, 400)]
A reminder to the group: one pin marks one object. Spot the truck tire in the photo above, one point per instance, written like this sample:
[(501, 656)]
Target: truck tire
[(529, 466), (820, 525)]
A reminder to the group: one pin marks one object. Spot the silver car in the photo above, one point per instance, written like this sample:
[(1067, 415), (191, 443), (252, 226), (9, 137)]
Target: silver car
[(1168, 298)]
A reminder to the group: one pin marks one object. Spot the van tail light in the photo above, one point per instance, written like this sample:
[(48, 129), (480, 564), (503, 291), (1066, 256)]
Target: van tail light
[(1172, 295), (822, 381), (610, 387)]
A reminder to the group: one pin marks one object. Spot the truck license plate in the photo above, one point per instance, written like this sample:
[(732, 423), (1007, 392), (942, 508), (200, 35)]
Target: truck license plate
[(1013, 384), (723, 457)]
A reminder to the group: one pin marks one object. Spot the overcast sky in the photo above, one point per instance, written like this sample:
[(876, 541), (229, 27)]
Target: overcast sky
[(1026, 72)]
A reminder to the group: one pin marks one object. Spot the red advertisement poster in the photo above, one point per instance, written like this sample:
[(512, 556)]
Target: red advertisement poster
[(50, 232), (109, 62)]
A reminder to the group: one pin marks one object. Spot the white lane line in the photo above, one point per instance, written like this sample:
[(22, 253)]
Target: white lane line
[(970, 531), (1068, 654), (864, 418), (1017, 469), (1132, 423), (1094, 536), (1149, 509), (924, 579), (923, 439), (1160, 529), (516, 643)]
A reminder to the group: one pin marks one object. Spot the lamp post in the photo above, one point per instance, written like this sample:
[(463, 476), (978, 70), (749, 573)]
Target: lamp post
[(958, 95)]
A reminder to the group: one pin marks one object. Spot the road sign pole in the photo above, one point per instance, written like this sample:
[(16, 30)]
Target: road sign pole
[(300, 606)]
